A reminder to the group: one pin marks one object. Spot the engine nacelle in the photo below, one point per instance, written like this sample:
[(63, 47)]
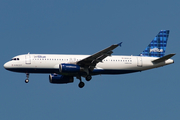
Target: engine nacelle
[(69, 68), (60, 79)]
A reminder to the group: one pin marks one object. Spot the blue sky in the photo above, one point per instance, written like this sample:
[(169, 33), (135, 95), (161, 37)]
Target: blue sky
[(86, 27)]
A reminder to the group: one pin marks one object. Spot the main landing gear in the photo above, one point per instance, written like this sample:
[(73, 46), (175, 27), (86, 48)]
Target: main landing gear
[(81, 84), (88, 77), (27, 78)]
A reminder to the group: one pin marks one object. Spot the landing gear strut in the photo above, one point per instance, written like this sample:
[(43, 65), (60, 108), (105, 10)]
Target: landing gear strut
[(81, 84), (27, 78), (88, 77)]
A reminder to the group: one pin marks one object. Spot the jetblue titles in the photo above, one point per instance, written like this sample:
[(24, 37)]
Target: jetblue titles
[(39, 56)]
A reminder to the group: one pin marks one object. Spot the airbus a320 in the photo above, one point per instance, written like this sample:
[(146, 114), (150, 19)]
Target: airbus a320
[(63, 68)]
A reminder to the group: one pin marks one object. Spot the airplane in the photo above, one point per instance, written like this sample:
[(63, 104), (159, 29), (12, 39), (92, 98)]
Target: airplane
[(63, 68)]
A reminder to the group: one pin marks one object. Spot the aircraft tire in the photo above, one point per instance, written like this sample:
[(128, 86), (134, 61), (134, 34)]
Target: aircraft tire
[(81, 84), (26, 81), (88, 77)]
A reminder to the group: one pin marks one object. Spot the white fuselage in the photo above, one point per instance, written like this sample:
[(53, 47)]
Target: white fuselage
[(49, 63)]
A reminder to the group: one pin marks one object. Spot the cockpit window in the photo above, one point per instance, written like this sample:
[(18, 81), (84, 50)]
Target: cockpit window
[(15, 59)]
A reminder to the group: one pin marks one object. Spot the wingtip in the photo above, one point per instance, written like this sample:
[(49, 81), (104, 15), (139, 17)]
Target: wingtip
[(173, 54), (119, 44)]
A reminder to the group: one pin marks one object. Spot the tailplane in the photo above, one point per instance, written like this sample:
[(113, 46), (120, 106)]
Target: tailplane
[(157, 47)]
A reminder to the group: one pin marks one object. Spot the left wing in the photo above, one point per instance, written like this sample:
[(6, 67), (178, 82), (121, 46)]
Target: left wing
[(91, 61)]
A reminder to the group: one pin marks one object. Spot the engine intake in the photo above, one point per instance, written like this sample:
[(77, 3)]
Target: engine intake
[(60, 79)]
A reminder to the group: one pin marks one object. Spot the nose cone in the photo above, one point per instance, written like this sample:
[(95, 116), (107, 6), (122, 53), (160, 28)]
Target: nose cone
[(6, 65)]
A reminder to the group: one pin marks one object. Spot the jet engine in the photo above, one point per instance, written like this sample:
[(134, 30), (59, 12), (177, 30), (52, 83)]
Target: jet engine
[(69, 68), (60, 79)]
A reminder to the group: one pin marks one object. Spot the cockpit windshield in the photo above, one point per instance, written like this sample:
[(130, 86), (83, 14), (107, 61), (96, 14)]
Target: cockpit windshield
[(15, 59)]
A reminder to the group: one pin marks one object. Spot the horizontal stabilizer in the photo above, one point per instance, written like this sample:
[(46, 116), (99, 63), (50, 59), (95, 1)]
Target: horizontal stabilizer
[(163, 58)]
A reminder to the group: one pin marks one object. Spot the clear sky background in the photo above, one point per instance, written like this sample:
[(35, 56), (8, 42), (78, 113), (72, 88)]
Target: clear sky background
[(86, 27)]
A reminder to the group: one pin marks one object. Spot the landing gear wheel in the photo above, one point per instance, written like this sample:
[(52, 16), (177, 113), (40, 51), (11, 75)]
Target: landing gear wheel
[(81, 84), (26, 81), (88, 77), (27, 78)]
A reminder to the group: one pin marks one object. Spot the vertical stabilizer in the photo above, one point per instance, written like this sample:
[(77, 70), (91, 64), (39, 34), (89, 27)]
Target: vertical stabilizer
[(157, 47)]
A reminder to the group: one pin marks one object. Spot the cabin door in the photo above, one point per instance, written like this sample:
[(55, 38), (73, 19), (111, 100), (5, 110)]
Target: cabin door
[(28, 59), (139, 61)]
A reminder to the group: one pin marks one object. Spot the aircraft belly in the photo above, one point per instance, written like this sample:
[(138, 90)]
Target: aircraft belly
[(112, 71), (34, 70), (35, 67)]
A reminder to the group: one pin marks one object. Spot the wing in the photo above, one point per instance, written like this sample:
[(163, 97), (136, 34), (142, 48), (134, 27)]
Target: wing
[(91, 61)]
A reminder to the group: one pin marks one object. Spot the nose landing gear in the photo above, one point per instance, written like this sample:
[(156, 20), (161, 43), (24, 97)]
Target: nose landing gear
[(27, 78)]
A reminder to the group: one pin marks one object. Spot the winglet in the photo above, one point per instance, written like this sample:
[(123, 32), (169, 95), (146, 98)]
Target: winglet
[(119, 44)]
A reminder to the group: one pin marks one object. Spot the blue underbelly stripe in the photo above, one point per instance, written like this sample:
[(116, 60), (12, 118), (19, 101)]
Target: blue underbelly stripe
[(95, 72)]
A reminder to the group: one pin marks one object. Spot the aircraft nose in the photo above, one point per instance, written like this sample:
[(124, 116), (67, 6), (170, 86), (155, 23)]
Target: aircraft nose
[(6, 65)]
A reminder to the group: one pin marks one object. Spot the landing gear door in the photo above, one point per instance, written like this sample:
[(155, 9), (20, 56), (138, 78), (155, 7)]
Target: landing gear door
[(139, 61), (28, 59)]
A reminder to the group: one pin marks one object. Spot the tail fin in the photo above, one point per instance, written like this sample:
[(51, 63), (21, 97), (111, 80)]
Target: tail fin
[(157, 46)]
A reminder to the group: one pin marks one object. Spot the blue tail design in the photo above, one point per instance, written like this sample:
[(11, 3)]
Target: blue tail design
[(157, 47)]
